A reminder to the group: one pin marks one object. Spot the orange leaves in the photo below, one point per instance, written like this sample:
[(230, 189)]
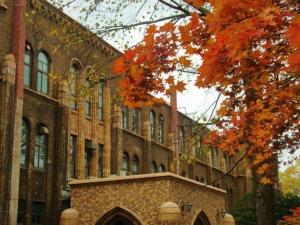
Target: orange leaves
[(245, 48), (195, 3), (293, 36), (184, 61), (119, 66), (293, 33)]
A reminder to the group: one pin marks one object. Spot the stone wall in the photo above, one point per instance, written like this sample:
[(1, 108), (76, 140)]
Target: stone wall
[(142, 195)]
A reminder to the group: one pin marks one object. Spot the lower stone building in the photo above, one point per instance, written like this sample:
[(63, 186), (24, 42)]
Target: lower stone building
[(140, 199)]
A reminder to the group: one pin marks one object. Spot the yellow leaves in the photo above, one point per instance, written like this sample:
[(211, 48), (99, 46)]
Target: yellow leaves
[(266, 180)]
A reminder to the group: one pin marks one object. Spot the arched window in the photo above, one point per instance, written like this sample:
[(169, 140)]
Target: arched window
[(162, 168), (161, 129), (24, 143), (181, 139), (125, 117), (27, 65), (134, 120), (153, 167), (43, 69), (135, 165), (183, 173), (75, 70), (125, 164), (197, 178), (152, 124), (100, 101), (40, 151)]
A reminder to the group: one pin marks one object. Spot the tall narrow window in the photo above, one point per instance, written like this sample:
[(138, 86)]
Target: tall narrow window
[(228, 161), (181, 139), (125, 117), (135, 165), (43, 69), (125, 163), (215, 158), (88, 98), (100, 161), (40, 151), (100, 101), (134, 120), (161, 129), (27, 65), (72, 155), (21, 212), (153, 167), (152, 124), (37, 217), (162, 168), (87, 158), (24, 143), (73, 87)]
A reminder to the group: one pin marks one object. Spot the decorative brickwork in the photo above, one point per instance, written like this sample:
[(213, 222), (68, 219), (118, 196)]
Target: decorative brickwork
[(143, 195)]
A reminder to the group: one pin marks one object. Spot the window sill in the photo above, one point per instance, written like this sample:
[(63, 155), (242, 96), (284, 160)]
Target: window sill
[(88, 117), (3, 7)]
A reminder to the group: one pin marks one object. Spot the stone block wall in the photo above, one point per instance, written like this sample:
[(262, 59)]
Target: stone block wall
[(142, 195)]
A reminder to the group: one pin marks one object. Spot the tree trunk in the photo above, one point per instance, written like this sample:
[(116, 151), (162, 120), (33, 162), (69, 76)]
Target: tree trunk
[(264, 203)]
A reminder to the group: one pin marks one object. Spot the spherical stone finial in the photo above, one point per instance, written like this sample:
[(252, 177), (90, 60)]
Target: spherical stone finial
[(228, 220), (169, 211), (69, 217)]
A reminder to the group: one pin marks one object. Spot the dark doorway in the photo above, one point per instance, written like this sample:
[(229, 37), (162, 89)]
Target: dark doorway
[(201, 219), (118, 216)]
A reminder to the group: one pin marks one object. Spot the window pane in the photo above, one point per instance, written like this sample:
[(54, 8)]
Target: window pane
[(24, 143), (100, 102), (100, 161), (42, 82), (21, 212), (37, 213), (72, 155), (27, 75), (40, 151)]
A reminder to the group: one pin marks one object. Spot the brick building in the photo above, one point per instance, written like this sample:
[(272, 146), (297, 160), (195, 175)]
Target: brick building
[(59, 122)]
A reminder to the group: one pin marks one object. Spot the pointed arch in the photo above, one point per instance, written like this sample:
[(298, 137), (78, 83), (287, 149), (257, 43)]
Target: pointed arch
[(118, 216), (201, 218)]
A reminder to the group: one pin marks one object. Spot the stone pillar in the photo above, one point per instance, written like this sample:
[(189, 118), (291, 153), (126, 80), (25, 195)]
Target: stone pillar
[(95, 127), (81, 140), (107, 133), (117, 140), (147, 160), (9, 157), (174, 130)]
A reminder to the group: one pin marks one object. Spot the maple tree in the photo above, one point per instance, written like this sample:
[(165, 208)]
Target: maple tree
[(250, 54)]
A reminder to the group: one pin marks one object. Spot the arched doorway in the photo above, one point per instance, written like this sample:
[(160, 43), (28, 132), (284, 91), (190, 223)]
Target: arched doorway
[(118, 216), (201, 219)]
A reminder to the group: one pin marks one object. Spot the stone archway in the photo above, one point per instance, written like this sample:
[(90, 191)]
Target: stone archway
[(118, 216), (201, 219)]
